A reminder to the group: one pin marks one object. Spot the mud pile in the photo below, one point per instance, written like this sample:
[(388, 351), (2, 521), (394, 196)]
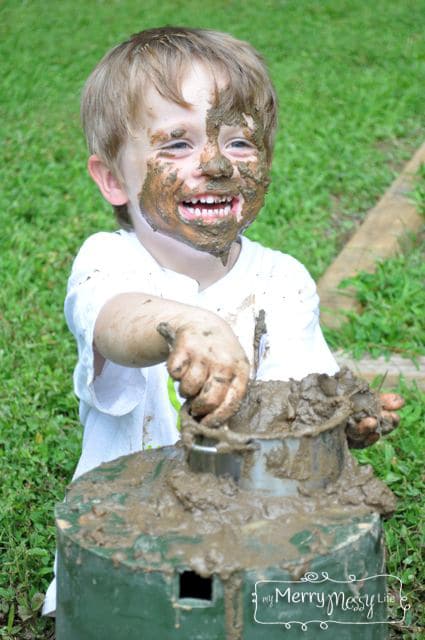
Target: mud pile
[(151, 512), (271, 409), (167, 496)]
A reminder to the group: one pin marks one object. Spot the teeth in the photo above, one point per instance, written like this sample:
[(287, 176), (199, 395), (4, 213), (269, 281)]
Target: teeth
[(211, 200), (208, 213), (221, 212)]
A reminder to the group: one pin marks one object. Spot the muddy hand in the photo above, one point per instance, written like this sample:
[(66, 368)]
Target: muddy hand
[(365, 432), (390, 403), (211, 366)]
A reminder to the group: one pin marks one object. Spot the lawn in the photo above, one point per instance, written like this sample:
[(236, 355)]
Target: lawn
[(350, 77)]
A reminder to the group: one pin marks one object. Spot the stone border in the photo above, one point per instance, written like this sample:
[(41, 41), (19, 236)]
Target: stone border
[(377, 238), (396, 366)]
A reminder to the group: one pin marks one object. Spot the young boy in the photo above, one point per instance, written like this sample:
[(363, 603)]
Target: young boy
[(180, 124)]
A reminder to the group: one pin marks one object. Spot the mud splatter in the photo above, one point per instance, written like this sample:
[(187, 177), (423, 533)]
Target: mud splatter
[(233, 607), (159, 137), (259, 331), (178, 133)]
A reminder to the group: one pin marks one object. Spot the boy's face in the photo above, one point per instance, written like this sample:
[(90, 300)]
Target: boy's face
[(196, 174)]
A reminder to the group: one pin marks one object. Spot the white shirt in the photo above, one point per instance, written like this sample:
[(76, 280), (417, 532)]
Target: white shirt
[(127, 409)]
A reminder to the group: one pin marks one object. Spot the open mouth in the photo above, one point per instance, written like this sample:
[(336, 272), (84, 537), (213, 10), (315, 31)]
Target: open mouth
[(209, 208)]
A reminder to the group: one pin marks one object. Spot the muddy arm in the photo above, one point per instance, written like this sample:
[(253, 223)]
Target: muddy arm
[(125, 330), (201, 350)]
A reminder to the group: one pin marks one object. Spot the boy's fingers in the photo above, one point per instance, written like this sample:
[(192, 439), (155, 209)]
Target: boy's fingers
[(193, 379), (374, 437), (178, 363), (363, 433), (212, 394), (360, 429), (230, 403), (391, 401), (392, 416), (360, 441), (390, 421), (366, 426)]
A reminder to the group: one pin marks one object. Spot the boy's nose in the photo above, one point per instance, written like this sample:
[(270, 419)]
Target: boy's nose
[(218, 166)]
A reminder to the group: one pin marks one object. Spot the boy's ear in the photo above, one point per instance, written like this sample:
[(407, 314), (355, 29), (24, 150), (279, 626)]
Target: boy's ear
[(109, 186)]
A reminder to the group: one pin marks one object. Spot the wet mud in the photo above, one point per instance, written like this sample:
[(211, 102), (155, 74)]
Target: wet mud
[(277, 409), (179, 496), (163, 190), (208, 523), (153, 512)]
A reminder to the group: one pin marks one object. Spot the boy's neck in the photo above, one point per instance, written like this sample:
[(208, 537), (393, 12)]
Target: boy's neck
[(172, 254)]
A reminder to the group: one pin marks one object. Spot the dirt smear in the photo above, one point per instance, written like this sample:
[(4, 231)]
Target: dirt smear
[(163, 191)]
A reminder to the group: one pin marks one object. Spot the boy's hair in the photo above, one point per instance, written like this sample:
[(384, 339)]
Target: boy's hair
[(112, 101)]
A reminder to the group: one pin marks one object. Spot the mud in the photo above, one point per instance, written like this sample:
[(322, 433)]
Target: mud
[(178, 133), (151, 511), (163, 190), (305, 407), (161, 193), (208, 523), (233, 604), (254, 176), (159, 137), (217, 165), (304, 422), (182, 501), (260, 330), (277, 409)]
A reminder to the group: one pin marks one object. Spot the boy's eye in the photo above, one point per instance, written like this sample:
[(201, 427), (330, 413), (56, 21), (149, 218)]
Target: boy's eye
[(241, 143), (177, 146)]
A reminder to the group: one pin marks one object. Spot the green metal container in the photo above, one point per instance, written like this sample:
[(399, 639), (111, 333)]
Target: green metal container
[(133, 567)]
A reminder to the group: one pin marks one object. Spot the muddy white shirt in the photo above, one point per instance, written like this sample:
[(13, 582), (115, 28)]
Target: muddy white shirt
[(127, 409)]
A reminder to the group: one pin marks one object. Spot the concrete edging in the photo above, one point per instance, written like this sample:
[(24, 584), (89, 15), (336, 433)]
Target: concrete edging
[(377, 238), (396, 366)]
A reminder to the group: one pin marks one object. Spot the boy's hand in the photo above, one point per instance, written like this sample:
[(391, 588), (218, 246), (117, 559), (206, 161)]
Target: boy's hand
[(367, 431), (213, 370)]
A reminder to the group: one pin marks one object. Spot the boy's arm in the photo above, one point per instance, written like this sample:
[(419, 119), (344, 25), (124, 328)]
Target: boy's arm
[(205, 355)]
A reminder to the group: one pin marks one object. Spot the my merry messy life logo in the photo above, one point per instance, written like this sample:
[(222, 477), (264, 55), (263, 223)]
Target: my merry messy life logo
[(322, 600)]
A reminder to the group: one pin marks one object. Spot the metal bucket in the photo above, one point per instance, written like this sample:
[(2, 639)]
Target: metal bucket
[(276, 464)]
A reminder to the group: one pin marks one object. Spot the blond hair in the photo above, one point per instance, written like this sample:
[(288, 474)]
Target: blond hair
[(112, 100)]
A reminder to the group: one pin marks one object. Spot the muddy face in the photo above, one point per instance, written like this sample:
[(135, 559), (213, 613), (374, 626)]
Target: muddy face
[(208, 213)]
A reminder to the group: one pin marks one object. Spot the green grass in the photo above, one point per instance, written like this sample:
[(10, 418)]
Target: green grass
[(398, 460), (392, 319), (350, 77), (392, 300)]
